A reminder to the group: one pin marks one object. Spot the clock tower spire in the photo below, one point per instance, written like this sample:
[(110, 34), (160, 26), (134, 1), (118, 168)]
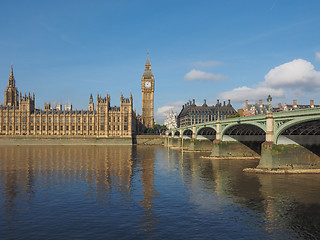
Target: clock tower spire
[(147, 88)]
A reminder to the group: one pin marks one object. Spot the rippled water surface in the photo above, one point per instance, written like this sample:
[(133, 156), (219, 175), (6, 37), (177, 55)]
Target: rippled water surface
[(88, 192)]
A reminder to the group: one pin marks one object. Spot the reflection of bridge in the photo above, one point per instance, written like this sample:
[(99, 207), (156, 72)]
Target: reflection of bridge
[(290, 139)]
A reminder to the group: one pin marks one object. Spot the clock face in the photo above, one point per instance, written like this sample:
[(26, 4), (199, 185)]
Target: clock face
[(147, 84)]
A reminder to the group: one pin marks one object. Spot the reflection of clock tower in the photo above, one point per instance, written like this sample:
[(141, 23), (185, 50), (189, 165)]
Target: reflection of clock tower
[(147, 88)]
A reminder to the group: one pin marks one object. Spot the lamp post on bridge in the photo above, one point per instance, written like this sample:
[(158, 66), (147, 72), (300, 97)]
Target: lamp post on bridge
[(269, 99), (270, 123)]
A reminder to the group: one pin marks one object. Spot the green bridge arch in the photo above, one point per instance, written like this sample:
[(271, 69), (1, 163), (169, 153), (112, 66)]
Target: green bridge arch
[(281, 126), (256, 124)]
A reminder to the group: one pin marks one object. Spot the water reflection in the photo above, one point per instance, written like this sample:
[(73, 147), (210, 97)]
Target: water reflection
[(286, 203), (149, 192), (106, 171), (149, 220)]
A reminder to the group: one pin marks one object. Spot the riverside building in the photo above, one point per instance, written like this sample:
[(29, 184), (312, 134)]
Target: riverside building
[(192, 114), (18, 115)]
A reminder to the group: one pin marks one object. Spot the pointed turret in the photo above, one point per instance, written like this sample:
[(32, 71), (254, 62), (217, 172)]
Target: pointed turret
[(147, 69), (91, 104), (148, 61), (11, 81), (11, 93)]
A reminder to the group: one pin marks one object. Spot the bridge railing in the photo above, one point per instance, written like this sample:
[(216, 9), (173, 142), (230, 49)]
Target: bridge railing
[(305, 111)]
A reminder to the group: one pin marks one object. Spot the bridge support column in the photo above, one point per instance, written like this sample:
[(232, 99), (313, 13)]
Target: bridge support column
[(270, 128), (194, 132), (186, 142), (167, 141), (290, 157), (218, 132), (200, 145), (224, 149), (181, 138), (175, 142)]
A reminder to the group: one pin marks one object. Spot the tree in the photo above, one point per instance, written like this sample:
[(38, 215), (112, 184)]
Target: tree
[(171, 121), (150, 131)]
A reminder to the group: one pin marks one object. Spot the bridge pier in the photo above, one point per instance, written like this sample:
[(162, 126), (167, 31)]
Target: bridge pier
[(287, 156), (228, 149), (175, 142), (185, 143), (189, 144), (167, 142), (200, 145)]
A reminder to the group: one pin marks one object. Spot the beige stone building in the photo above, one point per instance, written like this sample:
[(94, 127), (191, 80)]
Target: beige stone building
[(18, 115), (147, 88)]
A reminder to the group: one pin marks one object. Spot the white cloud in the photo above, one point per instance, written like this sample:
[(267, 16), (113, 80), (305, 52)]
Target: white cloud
[(252, 94), (162, 112), (205, 64), (296, 74), (200, 75), (318, 56)]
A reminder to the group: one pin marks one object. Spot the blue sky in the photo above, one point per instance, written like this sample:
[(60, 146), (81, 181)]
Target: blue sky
[(241, 49)]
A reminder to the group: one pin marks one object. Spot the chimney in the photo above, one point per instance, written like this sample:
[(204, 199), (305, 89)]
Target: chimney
[(246, 102), (229, 102), (295, 102), (193, 101), (311, 103), (260, 102), (205, 102), (224, 103), (280, 106)]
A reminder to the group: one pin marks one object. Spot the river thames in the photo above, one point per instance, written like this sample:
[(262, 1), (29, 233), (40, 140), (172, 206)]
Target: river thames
[(148, 192)]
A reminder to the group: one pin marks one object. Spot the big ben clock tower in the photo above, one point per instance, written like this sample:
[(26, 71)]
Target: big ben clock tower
[(147, 88)]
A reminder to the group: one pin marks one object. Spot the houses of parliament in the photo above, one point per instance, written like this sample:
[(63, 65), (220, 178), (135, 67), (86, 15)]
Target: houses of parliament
[(18, 115)]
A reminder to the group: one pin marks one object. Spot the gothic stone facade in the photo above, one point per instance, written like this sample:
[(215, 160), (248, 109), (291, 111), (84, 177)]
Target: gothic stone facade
[(18, 116), (147, 89)]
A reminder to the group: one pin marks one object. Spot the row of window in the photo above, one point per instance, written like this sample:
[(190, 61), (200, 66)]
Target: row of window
[(102, 128), (210, 114), (102, 119), (72, 133)]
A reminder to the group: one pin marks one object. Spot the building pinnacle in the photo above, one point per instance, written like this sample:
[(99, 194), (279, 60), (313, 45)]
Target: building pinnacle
[(11, 81), (148, 61)]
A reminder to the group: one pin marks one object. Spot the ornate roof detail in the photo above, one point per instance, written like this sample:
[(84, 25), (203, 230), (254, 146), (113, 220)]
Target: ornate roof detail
[(147, 70), (148, 61), (11, 78)]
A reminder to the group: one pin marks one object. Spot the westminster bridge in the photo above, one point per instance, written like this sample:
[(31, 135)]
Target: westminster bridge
[(282, 140)]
